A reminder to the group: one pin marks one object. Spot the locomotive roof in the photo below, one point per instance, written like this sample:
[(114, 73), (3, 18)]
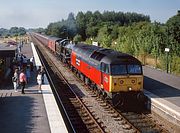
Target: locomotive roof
[(49, 37), (85, 49), (107, 56), (114, 57)]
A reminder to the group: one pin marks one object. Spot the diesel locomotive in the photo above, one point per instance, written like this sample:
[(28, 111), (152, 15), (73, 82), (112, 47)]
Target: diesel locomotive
[(115, 75)]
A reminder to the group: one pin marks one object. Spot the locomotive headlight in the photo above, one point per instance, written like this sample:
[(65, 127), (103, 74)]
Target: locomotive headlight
[(129, 88)]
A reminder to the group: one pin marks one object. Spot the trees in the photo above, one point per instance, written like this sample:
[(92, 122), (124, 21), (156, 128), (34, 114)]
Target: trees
[(71, 28), (142, 39), (54, 29), (104, 36), (13, 31), (89, 24), (173, 41), (3, 32), (64, 28), (77, 38), (21, 31), (126, 32), (173, 32), (81, 24)]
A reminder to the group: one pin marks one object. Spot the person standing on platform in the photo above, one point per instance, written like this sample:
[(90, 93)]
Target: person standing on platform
[(19, 48), (28, 73), (23, 81), (24, 61), (39, 80), (32, 63), (15, 80), (43, 72)]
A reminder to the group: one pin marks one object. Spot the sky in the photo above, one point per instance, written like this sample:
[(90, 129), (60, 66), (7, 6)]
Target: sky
[(39, 13)]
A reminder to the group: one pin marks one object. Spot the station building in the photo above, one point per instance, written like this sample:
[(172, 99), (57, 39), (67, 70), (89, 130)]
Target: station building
[(7, 54)]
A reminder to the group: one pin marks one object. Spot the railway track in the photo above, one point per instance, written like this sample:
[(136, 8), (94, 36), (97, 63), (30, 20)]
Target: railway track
[(80, 117), (138, 122)]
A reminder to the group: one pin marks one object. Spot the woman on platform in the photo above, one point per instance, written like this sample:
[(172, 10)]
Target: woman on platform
[(15, 80), (23, 81), (39, 80)]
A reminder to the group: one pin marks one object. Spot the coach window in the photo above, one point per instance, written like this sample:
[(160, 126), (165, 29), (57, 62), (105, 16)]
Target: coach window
[(105, 67)]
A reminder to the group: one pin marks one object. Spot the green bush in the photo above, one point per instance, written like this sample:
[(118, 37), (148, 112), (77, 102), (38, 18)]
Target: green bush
[(175, 65)]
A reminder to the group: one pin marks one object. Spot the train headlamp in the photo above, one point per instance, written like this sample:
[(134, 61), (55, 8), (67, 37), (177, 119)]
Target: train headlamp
[(129, 88)]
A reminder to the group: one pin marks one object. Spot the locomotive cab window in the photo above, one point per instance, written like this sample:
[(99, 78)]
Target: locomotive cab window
[(125, 69), (134, 69), (118, 69), (105, 68)]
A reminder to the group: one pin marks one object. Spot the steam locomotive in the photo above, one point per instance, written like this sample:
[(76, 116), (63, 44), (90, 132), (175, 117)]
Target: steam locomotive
[(115, 75)]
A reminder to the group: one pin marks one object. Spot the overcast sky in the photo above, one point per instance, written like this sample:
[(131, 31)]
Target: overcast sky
[(39, 13)]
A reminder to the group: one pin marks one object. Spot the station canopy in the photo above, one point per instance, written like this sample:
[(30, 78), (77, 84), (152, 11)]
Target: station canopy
[(7, 50)]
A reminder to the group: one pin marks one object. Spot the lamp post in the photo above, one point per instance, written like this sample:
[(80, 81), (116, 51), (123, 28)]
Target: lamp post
[(91, 40), (167, 62)]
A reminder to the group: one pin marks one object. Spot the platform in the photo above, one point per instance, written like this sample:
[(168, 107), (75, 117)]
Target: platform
[(163, 90), (30, 112), (56, 121)]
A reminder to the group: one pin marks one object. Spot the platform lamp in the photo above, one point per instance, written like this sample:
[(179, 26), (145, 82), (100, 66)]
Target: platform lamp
[(91, 40), (167, 54)]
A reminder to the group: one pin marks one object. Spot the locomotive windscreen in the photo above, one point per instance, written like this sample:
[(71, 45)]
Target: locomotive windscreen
[(134, 69), (125, 69)]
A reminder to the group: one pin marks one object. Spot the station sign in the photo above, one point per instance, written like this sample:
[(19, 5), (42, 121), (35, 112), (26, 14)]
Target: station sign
[(167, 49)]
